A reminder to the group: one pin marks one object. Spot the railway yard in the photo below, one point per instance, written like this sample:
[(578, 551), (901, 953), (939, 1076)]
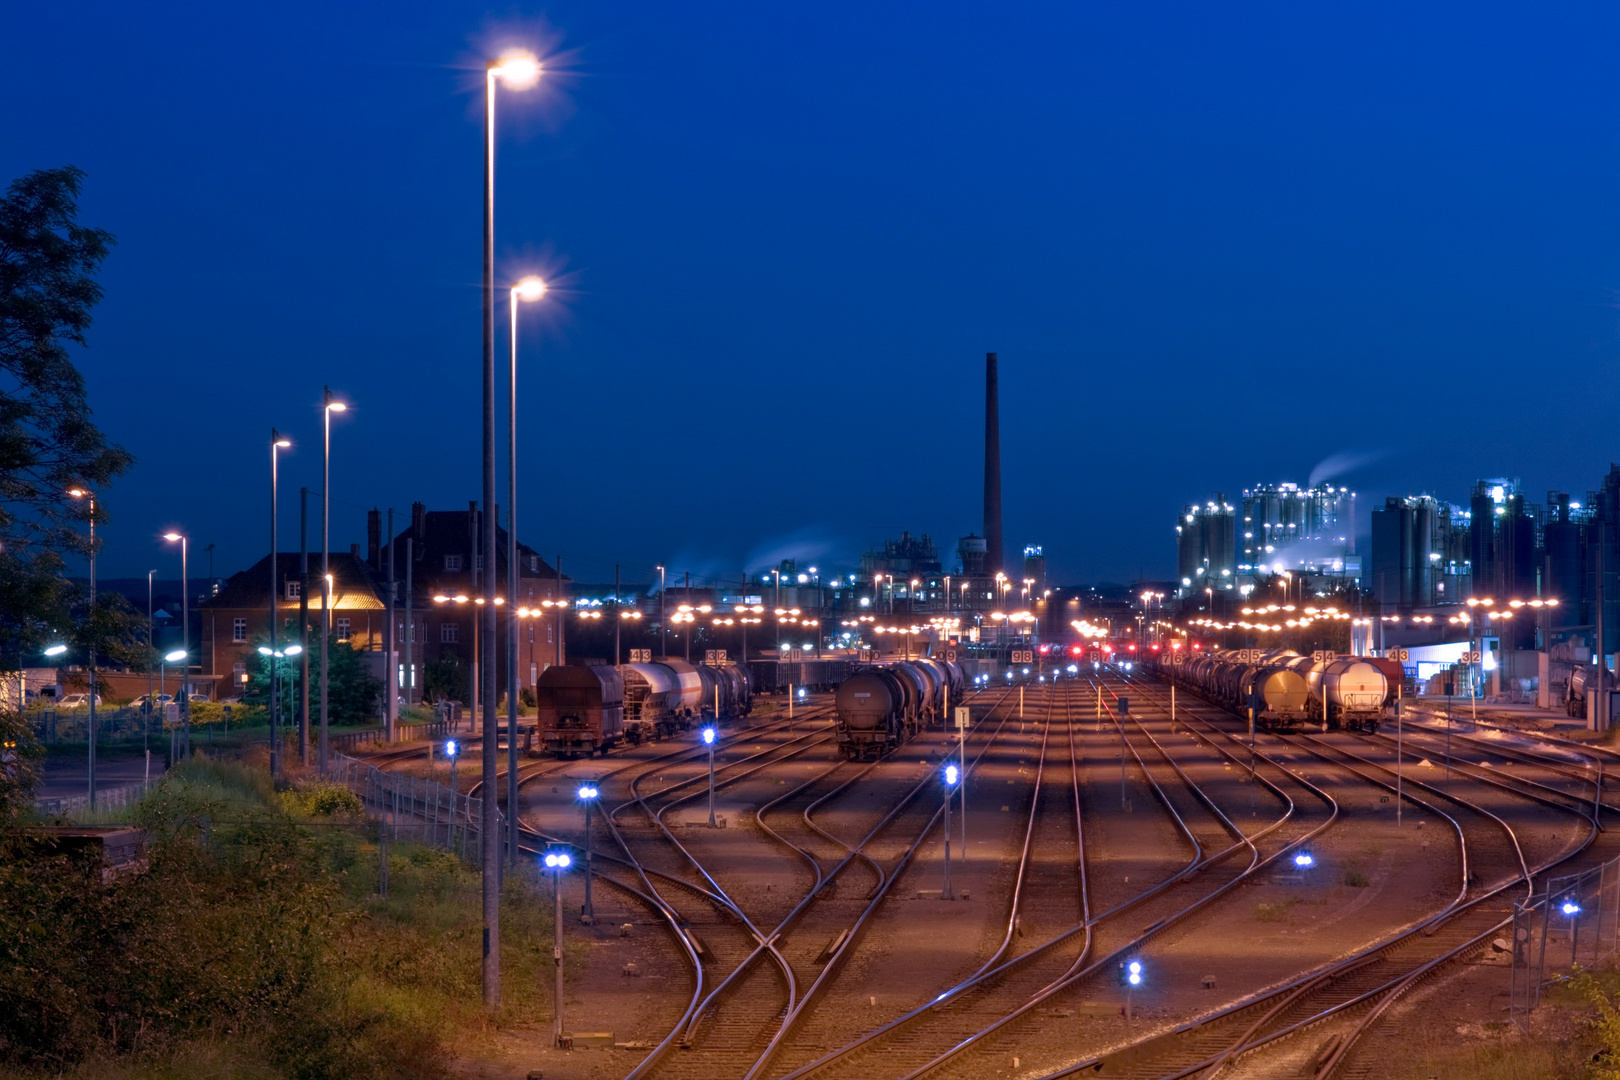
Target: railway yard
[(1129, 895)]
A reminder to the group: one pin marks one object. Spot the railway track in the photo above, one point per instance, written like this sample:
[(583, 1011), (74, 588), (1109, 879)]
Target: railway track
[(713, 996), (1354, 992)]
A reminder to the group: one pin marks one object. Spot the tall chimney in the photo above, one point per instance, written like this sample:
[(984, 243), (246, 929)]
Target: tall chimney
[(992, 469)]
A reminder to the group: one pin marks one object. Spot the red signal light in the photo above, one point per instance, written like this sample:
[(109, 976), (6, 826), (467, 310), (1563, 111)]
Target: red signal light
[(1076, 650), (1131, 647)]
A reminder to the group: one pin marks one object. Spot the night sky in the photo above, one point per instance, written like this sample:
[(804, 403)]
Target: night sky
[(1213, 245)]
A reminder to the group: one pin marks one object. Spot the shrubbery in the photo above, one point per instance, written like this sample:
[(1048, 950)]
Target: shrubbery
[(253, 939)]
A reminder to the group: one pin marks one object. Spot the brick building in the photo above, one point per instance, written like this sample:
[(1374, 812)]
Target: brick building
[(235, 618)]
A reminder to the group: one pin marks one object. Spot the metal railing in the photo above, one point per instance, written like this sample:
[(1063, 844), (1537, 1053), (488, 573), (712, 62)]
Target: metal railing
[(1574, 923), (106, 798), (414, 808)]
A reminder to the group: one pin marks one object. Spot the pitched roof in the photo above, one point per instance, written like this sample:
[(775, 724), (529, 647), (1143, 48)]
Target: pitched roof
[(354, 586)]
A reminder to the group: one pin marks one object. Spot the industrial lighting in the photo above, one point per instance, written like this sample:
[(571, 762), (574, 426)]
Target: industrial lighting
[(1304, 860), (451, 748), (56, 650), (1133, 973), (530, 288), (518, 71), (174, 657), (708, 736), (587, 791), (1570, 908), (558, 860), (950, 775)]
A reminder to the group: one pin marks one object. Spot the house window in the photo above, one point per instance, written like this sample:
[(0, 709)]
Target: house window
[(295, 589), (239, 674), (452, 563), (534, 564), (548, 634), (343, 629), (238, 629), (449, 633), (478, 562)]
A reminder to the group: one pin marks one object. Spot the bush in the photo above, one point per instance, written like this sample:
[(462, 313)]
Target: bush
[(240, 929), (1356, 878)]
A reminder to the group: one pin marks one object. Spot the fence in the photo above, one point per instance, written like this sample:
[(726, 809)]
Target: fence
[(1576, 921), (106, 798), (414, 808), (72, 725)]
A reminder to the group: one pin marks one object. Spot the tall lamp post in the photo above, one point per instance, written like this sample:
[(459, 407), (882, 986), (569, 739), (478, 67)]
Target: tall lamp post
[(557, 862), (277, 444), (329, 405), (530, 288), (185, 642), (517, 71), (90, 650)]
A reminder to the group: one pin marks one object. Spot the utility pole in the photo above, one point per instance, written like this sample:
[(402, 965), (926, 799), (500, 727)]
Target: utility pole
[(618, 618), (391, 714), (303, 626), (410, 630), (560, 610)]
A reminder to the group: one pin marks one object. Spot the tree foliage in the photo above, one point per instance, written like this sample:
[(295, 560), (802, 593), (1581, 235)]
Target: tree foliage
[(48, 443)]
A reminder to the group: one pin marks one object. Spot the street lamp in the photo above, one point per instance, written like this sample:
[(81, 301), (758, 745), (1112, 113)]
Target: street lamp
[(90, 742), (530, 288), (277, 444), (708, 740), (952, 775), (451, 749), (185, 642), (329, 405), (557, 862), (1133, 979), (1572, 910)]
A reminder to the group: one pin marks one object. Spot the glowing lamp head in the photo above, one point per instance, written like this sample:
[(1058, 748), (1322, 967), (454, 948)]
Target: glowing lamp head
[(587, 791), (1304, 860), (77, 493), (336, 406), (557, 860), (708, 736), (56, 650), (176, 656), (950, 776), (292, 650), (1570, 908), (451, 748), (530, 288), (518, 71), (1133, 973), (172, 536), (264, 651)]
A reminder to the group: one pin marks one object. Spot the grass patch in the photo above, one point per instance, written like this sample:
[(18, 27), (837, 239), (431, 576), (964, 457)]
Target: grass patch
[(255, 944), (1356, 877)]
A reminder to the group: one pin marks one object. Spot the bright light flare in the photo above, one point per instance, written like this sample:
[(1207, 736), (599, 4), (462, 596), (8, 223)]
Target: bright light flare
[(519, 71), (587, 791), (451, 747), (950, 776), (530, 288), (1304, 860), (176, 656), (708, 736), (558, 860), (56, 650)]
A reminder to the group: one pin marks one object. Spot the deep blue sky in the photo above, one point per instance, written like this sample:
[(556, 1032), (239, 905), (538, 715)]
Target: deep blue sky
[(1213, 244)]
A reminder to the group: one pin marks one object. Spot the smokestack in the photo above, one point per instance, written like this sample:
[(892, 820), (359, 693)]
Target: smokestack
[(992, 468)]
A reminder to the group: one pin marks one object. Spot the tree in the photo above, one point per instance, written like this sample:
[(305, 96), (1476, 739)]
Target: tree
[(47, 441)]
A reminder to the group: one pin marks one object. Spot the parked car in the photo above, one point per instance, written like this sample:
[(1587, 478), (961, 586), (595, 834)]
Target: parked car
[(77, 701), (155, 701), (199, 699)]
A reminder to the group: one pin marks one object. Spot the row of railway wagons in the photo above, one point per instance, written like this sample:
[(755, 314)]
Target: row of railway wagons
[(588, 710), (1287, 689), (879, 708)]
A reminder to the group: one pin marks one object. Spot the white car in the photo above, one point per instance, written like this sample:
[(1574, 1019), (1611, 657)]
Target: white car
[(77, 701), (155, 700)]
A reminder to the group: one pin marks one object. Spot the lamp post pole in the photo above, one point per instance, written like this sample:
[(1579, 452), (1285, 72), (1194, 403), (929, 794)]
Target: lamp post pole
[(950, 782), (528, 289), (185, 642), (587, 795), (518, 72), (277, 443), (328, 406), (90, 649), (708, 738)]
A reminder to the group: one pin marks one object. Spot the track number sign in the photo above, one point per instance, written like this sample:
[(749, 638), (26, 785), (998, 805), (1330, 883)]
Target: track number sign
[(1023, 656), (641, 656), (714, 656)]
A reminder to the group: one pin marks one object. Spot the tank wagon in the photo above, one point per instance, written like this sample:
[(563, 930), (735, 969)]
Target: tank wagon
[(881, 707), (589, 710), (1288, 688)]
